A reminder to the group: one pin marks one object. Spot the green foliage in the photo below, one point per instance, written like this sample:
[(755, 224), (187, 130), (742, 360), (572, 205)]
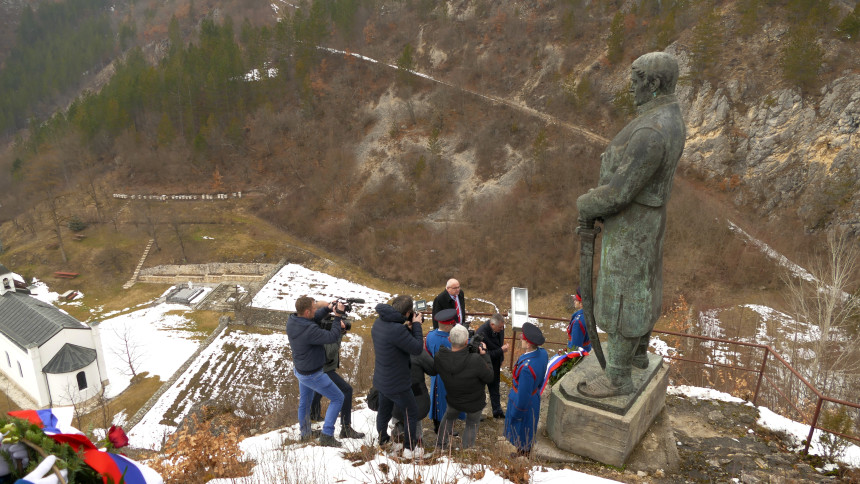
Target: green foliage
[(749, 12), (75, 224), (707, 43), (849, 27), (615, 42), (814, 12), (18, 169), (405, 63), (565, 368), (801, 58), (623, 104), (577, 92), (54, 46), (666, 31), (434, 144)]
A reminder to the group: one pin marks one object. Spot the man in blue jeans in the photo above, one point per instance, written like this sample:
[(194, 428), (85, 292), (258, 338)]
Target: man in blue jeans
[(396, 335), (307, 340)]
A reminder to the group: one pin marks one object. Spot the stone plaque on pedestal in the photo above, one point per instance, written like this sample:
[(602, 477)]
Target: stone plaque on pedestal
[(605, 429)]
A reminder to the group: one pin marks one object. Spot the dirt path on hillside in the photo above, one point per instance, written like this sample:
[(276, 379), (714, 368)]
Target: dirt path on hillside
[(519, 106)]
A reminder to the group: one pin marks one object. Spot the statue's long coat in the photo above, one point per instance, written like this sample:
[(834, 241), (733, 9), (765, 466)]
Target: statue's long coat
[(635, 181)]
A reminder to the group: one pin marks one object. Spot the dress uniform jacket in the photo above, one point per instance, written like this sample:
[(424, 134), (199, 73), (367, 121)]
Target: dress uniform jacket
[(521, 417)]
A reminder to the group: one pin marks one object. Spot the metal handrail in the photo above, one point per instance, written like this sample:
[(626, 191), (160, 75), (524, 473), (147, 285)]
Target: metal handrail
[(760, 371)]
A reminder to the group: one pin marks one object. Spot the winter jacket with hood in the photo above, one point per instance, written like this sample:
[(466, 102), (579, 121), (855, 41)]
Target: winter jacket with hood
[(307, 339), (465, 375), (393, 343)]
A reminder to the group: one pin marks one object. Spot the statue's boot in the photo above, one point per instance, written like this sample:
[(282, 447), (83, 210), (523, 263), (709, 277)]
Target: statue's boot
[(604, 386), (640, 361)]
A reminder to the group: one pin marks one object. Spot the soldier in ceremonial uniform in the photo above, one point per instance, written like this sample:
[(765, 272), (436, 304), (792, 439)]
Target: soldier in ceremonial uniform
[(523, 410), (446, 319), (636, 173)]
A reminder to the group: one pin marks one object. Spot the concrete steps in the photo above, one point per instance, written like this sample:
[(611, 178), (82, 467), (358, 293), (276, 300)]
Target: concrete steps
[(139, 265)]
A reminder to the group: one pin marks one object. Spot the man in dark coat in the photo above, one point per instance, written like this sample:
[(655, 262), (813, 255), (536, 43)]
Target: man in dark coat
[(332, 354), (465, 373), (493, 334), (307, 339), (422, 364), (636, 173), (451, 298), (396, 335)]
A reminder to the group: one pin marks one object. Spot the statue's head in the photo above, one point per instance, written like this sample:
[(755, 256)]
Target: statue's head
[(652, 75)]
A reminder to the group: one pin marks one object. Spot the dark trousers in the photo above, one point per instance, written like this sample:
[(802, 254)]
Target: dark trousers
[(493, 388), (345, 409), (406, 401)]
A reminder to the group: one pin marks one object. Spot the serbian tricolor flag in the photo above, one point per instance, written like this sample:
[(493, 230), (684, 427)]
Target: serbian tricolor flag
[(56, 424), (557, 362)]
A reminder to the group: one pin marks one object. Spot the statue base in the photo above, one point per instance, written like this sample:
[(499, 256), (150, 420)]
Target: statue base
[(606, 429)]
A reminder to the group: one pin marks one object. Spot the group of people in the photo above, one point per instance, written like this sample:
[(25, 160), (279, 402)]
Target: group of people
[(461, 365)]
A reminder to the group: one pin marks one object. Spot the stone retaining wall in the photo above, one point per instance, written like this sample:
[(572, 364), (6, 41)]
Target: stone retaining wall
[(223, 322), (213, 272)]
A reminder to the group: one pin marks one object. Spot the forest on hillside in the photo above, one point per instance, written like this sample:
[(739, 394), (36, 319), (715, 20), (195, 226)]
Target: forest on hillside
[(197, 119)]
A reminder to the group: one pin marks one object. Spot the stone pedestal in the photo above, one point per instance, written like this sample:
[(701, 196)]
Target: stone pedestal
[(605, 429)]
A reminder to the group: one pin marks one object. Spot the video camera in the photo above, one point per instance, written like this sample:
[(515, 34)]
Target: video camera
[(475, 343), (347, 307)]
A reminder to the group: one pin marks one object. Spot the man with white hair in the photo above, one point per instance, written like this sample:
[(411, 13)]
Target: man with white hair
[(454, 298), (465, 370)]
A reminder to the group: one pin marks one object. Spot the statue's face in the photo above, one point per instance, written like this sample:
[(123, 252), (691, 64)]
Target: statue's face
[(640, 88)]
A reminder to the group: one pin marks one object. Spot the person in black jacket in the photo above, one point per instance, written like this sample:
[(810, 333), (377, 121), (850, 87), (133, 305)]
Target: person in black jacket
[(332, 355), (396, 335), (493, 334), (465, 373), (422, 364), (307, 338), (451, 298)]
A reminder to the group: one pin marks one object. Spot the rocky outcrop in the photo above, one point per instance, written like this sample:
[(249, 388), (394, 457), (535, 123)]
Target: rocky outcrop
[(782, 150)]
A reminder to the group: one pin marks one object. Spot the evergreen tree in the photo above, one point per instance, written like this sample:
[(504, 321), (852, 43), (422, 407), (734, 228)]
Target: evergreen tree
[(849, 27), (801, 58), (616, 38), (707, 43)]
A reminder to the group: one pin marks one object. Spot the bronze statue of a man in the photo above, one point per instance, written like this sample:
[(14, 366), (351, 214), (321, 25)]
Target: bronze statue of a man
[(635, 180)]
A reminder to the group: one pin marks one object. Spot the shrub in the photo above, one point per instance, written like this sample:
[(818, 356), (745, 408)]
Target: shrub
[(76, 224), (801, 58), (838, 421)]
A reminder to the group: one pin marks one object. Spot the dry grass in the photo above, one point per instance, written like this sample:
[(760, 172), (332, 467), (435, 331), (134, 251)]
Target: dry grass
[(132, 399)]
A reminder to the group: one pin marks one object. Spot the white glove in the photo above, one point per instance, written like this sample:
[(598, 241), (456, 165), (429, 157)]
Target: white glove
[(42, 474), (17, 451)]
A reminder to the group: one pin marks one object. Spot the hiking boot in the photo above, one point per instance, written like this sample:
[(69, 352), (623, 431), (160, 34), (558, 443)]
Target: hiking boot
[(311, 436), (329, 441), (350, 433), (499, 414)]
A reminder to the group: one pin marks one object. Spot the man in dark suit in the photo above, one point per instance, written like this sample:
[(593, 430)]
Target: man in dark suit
[(493, 334), (451, 298)]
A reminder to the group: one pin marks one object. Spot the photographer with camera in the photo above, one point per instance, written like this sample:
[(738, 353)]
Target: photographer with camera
[(396, 335), (465, 369), (332, 354), (307, 339), (493, 335)]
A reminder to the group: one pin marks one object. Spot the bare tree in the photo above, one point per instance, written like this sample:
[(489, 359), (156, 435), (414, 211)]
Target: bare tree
[(128, 350), (826, 301)]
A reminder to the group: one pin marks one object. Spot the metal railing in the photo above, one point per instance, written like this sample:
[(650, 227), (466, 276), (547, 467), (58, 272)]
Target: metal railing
[(756, 367)]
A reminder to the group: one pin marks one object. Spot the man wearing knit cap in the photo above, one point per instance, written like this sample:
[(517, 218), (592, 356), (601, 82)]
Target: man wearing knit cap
[(577, 333), (445, 319), (523, 411)]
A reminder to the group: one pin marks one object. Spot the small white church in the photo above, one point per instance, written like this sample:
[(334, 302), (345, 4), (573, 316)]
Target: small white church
[(51, 356)]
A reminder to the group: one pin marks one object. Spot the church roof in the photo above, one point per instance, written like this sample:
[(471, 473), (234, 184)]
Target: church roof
[(27, 321), (70, 358)]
